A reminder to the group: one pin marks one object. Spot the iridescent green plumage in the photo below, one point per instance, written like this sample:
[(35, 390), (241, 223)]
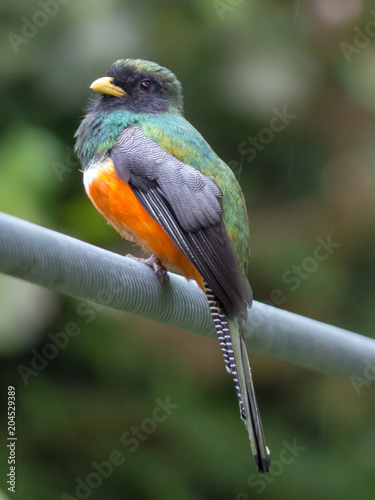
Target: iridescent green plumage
[(138, 125), (179, 138)]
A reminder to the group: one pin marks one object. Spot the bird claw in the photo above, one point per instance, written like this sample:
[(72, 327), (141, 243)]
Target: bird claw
[(155, 264)]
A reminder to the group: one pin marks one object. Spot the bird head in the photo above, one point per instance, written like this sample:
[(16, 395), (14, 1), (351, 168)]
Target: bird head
[(139, 86)]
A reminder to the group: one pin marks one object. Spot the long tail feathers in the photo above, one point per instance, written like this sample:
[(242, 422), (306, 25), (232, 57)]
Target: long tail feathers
[(232, 343)]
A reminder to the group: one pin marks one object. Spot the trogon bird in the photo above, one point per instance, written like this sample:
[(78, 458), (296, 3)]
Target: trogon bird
[(152, 175)]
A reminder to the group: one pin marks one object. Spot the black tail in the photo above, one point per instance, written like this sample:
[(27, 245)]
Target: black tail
[(237, 363)]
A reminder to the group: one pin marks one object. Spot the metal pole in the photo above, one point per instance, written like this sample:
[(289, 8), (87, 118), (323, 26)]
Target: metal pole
[(70, 266)]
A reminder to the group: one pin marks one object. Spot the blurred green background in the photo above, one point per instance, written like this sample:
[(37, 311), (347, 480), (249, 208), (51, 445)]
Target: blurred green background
[(241, 63)]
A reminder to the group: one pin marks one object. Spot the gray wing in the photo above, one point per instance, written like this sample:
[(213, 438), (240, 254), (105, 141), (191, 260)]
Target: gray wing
[(192, 196), (186, 204)]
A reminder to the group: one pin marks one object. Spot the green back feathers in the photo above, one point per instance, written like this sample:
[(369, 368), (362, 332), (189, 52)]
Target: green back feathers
[(102, 125), (177, 136)]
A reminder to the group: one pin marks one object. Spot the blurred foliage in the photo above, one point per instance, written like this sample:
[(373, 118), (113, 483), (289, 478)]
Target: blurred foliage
[(241, 63)]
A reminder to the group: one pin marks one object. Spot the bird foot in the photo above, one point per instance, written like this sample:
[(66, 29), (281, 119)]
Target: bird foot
[(155, 264)]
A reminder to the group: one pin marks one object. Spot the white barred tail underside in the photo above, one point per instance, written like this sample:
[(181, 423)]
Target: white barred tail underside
[(233, 346)]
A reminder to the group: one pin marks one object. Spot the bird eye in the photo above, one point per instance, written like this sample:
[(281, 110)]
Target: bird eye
[(145, 85)]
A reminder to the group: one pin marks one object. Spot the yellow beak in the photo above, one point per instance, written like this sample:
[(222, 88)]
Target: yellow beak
[(105, 86)]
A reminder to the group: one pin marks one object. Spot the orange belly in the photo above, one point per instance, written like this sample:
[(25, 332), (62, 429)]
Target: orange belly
[(114, 199)]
